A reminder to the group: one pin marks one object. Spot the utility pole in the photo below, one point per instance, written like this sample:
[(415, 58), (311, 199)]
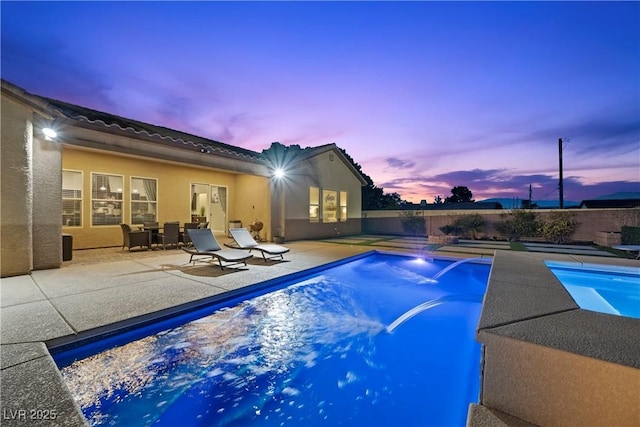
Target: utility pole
[(560, 187)]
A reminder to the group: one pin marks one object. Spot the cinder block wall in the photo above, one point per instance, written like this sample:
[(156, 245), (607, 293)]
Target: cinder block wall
[(591, 221)]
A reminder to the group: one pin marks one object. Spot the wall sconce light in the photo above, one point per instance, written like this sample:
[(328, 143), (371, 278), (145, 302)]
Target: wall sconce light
[(278, 173), (49, 134)]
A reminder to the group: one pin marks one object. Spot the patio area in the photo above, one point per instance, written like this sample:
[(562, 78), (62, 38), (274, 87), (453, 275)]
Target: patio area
[(105, 288)]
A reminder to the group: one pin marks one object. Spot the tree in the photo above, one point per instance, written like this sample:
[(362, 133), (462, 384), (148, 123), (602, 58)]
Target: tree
[(438, 200), (374, 197), (459, 194)]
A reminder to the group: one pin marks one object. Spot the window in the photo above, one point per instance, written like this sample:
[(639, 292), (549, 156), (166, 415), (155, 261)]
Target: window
[(329, 206), (71, 198), (144, 200), (106, 199), (314, 204), (343, 206)]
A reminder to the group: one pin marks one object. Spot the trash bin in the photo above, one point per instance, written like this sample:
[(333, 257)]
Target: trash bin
[(67, 247), (234, 223)]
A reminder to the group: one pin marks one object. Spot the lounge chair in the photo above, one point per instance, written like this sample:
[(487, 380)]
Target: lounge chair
[(205, 244), (243, 240)]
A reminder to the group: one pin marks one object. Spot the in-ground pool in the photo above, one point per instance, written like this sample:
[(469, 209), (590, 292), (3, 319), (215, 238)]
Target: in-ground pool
[(603, 288), (375, 341)]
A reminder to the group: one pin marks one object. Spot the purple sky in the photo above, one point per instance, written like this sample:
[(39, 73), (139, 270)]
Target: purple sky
[(425, 96)]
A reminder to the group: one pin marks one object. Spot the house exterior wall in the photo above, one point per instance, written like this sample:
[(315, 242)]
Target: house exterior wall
[(47, 199), (30, 188), (16, 188), (253, 202), (325, 171), (174, 191)]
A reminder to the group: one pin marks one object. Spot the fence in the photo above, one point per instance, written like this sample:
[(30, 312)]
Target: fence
[(601, 226)]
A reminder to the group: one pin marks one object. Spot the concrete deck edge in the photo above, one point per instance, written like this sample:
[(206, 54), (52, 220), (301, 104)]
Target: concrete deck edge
[(542, 312), (481, 416)]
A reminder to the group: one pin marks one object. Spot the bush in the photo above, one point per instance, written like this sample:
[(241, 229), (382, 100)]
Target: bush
[(413, 223), (469, 225), (559, 227), (630, 235), (517, 224), (449, 229)]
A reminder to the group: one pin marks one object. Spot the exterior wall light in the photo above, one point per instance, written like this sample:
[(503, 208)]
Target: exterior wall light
[(49, 134), (278, 173)]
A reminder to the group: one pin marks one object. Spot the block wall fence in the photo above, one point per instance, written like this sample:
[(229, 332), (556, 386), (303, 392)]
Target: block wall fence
[(600, 226)]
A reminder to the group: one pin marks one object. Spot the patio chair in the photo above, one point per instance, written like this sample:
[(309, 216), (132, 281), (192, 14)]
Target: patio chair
[(243, 240), (152, 226), (170, 234), (186, 240), (131, 238), (205, 244)]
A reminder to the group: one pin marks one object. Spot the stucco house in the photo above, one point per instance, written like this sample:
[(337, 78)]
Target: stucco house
[(101, 170)]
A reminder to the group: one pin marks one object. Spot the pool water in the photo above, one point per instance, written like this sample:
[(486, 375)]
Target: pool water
[(603, 288), (317, 351)]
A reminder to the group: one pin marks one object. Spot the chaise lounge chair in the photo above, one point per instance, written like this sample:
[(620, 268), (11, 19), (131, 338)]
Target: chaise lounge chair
[(205, 244), (243, 240)]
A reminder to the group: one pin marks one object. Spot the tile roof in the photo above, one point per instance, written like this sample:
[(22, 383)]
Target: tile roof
[(83, 114)]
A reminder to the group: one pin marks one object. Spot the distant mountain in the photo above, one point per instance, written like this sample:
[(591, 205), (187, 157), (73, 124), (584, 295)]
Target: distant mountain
[(511, 203), (620, 196)]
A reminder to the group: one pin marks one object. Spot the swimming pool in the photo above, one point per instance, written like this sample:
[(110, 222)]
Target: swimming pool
[(315, 351), (606, 289)]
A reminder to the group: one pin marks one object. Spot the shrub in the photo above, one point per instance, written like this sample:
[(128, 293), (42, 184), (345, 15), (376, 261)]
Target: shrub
[(630, 235), (559, 227), (469, 225), (413, 223), (449, 229), (517, 224)]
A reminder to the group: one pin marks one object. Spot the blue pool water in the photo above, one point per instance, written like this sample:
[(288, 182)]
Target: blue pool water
[(317, 351), (603, 288)]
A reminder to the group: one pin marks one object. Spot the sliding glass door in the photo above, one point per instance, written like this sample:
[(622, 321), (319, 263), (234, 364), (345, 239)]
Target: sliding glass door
[(209, 204)]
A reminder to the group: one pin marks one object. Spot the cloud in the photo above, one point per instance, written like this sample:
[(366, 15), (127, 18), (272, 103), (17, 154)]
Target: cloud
[(502, 183), (46, 66), (612, 132), (396, 163)]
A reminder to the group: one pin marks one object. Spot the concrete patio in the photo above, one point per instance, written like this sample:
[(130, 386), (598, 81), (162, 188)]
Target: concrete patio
[(106, 288)]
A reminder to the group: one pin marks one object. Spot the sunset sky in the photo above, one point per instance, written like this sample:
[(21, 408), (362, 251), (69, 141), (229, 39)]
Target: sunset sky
[(424, 96)]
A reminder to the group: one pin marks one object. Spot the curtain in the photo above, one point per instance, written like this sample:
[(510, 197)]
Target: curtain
[(150, 189), (222, 192)]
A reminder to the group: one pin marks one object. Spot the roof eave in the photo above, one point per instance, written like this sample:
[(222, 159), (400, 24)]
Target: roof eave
[(118, 140)]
